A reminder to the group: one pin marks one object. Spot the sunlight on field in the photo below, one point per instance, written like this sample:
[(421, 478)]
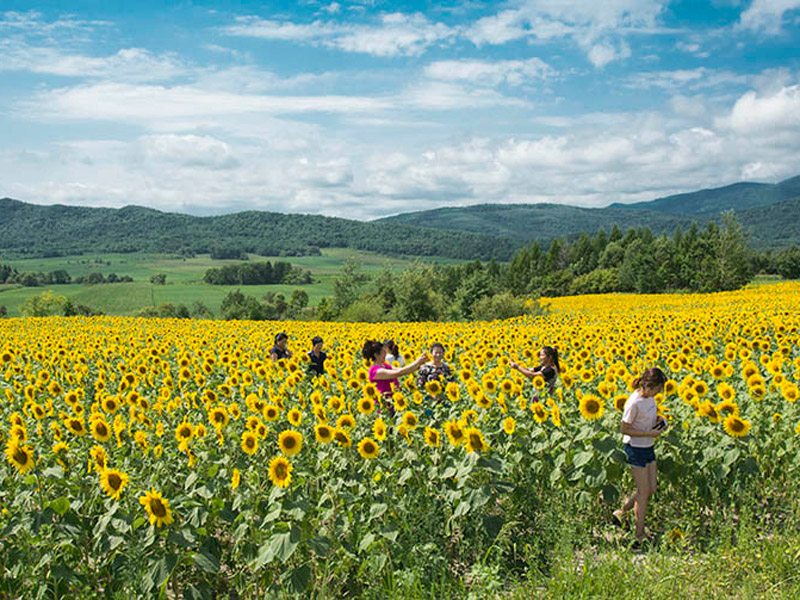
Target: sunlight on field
[(169, 444)]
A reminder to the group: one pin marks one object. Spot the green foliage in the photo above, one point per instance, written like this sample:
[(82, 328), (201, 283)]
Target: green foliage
[(159, 279), (347, 284), (788, 263), (499, 306), (46, 303)]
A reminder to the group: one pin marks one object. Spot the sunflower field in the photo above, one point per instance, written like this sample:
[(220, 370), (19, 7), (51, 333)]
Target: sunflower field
[(146, 457)]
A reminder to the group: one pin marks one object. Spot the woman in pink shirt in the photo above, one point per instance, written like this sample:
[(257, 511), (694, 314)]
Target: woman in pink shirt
[(382, 374), (641, 425)]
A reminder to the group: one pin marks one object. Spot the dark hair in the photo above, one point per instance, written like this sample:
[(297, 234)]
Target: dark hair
[(552, 353), (371, 349), (280, 337), (653, 377), (437, 345), (392, 346), (315, 340)]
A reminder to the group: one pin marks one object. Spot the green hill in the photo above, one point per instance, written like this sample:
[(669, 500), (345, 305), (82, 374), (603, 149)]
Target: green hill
[(770, 213), (28, 229)]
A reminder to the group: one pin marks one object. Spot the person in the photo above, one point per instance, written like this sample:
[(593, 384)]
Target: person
[(640, 427), (393, 353), (280, 349), (316, 365), (436, 369), (548, 367), (384, 375)]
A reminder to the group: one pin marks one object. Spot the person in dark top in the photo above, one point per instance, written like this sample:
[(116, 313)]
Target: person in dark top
[(436, 369), (317, 357), (548, 367), (280, 349)]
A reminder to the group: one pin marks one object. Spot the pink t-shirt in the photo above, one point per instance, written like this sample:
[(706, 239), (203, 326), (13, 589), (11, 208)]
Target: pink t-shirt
[(384, 385), (641, 413)]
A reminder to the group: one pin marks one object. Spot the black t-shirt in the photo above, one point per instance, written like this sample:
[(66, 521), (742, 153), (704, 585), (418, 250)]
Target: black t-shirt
[(549, 373), (279, 353), (317, 364)]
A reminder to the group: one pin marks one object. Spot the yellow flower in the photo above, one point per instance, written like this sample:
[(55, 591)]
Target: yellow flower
[(736, 426), (366, 405), (113, 482), (508, 425), (410, 420), (474, 440), (295, 417), (249, 442), (539, 412), (235, 479), (323, 433), (342, 437), (290, 442), (19, 456), (280, 472), (346, 421), (379, 429), (592, 407), (433, 388), (100, 430), (157, 508), (454, 433), (432, 437), (367, 448)]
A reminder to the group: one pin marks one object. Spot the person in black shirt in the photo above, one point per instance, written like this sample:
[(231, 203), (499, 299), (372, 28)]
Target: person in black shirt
[(548, 367), (280, 349), (317, 357)]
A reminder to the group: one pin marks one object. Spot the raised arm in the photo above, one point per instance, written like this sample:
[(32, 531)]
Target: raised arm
[(392, 373)]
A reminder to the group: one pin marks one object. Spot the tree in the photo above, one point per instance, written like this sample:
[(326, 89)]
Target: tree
[(95, 277), (200, 311), (478, 285), (158, 279), (46, 303), (788, 263), (734, 264), (297, 302), (416, 301), (346, 285), (3, 311)]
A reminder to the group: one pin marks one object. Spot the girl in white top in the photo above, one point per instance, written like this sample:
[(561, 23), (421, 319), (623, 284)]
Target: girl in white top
[(640, 426)]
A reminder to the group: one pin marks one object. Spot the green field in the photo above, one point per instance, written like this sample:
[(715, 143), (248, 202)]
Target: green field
[(184, 279)]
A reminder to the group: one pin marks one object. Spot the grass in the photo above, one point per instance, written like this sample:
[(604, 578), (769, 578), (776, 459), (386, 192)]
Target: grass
[(184, 278)]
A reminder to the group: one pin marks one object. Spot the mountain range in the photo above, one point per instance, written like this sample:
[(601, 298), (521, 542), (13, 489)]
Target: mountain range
[(769, 213)]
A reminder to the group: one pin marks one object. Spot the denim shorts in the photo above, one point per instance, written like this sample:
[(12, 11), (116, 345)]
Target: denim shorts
[(639, 457)]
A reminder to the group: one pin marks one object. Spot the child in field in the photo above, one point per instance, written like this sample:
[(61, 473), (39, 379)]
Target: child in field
[(316, 358), (280, 349), (382, 374), (640, 426)]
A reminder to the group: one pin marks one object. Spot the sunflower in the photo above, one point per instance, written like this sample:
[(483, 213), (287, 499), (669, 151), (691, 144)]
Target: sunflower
[(290, 442), (592, 407), (379, 429), (323, 433), (249, 443), (113, 482), (295, 417), (75, 425), (271, 412), (483, 400), (410, 420), (728, 407), (366, 405), (346, 422), (342, 437), (670, 387), (236, 478), (432, 437), (735, 426), (157, 508), (433, 388), (100, 430), (19, 456), (368, 449), (218, 417), (474, 440), (280, 471), (184, 432), (110, 404), (100, 458), (619, 402), (509, 424), (790, 392), (335, 404), (400, 401), (370, 391), (538, 382), (540, 413)]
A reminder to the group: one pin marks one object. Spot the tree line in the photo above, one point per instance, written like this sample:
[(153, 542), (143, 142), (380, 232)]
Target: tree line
[(257, 273), (11, 275)]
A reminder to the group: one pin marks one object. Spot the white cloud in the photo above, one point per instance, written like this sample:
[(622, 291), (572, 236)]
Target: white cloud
[(603, 53), (698, 78), (779, 111), (396, 34), (438, 95), (509, 72), (128, 64), (149, 103), (767, 15), (188, 150)]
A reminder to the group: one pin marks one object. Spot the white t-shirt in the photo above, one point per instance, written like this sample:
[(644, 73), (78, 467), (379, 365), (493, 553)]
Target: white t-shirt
[(640, 413)]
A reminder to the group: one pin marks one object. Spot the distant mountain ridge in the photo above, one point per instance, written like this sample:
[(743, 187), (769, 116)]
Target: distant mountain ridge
[(770, 213), (31, 229)]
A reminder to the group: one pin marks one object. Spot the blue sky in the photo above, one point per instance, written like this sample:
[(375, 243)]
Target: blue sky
[(364, 109)]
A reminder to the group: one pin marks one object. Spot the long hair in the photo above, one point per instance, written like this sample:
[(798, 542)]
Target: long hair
[(553, 353)]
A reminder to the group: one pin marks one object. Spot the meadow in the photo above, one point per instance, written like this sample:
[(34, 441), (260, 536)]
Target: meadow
[(168, 457), (184, 278)]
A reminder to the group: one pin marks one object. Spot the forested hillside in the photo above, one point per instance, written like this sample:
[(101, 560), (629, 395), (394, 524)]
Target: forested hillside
[(27, 229)]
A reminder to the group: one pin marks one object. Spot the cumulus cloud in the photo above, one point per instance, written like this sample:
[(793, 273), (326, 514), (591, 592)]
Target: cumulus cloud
[(767, 16), (188, 150), (754, 113)]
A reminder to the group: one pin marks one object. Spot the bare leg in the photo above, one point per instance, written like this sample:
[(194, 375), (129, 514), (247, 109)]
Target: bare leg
[(641, 478)]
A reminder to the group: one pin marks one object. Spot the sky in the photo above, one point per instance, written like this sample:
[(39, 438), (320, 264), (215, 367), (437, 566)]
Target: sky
[(369, 108)]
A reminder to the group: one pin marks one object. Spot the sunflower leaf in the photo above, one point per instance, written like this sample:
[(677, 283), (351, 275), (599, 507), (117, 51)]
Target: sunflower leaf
[(60, 505), (206, 561)]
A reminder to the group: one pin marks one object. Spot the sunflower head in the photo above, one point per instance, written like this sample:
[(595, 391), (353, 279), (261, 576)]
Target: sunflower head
[(592, 407), (323, 433), (249, 442), (280, 472), (113, 482), (290, 442), (157, 508), (368, 449)]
